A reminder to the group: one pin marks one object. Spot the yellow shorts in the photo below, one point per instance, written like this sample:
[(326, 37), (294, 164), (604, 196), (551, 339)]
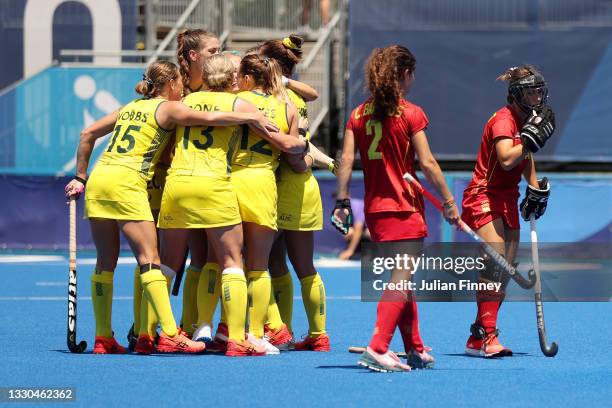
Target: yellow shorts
[(198, 202), (155, 186), (256, 191), (117, 193), (299, 202)]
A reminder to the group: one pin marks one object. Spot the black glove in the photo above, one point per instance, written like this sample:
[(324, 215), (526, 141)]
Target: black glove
[(343, 227), (535, 200), (538, 129)]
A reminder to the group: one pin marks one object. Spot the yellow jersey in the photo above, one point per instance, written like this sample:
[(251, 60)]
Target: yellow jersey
[(206, 150), (299, 103), (253, 150), (137, 140)]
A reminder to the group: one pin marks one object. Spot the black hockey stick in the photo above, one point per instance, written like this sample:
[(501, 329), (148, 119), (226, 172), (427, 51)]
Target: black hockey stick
[(72, 286), (549, 351), (496, 256), (179, 275)]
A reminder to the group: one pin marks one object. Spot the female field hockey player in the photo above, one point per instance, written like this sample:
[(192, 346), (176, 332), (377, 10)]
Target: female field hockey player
[(253, 177), (388, 130), (116, 199), (300, 213), (490, 206), (193, 47), (199, 194)]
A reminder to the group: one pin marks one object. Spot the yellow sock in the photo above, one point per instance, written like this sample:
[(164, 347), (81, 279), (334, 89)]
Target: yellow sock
[(148, 318), (259, 288), (155, 287), (234, 298), (282, 289), (223, 317), (274, 318), (313, 295), (190, 297), (209, 289), (137, 299), (102, 299)]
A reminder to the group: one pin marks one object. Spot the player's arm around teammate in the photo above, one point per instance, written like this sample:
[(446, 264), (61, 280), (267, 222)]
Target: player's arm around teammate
[(510, 138)]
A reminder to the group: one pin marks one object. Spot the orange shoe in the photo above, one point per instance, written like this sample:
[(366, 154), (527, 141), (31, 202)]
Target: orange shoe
[(144, 344), (243, 348), (318, 343), (281, 338), (108, 345), (487, 347), (179, 343)]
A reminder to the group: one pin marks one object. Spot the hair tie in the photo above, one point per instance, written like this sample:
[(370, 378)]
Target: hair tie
[(147, 80), (266, 60), (290, 44)]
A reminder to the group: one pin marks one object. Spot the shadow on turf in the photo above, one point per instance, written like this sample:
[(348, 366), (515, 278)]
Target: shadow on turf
[(514, 354), (346, 367)]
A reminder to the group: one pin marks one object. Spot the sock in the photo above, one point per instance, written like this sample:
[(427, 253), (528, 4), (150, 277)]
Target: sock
[(190, 298), (137, 299), (313, 296), (234, 298), (155, 287), (409, 328), (223, 317), (102, 299), (148, 318), (488, 303), (388, 312), (282, 289), (274, 320), (259, 288), (209, 289)]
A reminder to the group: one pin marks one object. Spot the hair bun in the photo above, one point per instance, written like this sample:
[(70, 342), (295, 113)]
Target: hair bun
[(293, 42)]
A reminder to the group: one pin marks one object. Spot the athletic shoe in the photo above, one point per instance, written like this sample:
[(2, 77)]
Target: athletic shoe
[(203, 333), (243, 348), (420, 360), (132, 338), (382, 363), (281, 337), (270, 349), (318, 343), (106, 345), (179, 343), (222, 334), (487, 347), (145, 344)]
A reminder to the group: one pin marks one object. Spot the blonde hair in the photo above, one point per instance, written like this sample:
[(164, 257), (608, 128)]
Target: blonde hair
[(266, 73), (155, 77), (218, 72)]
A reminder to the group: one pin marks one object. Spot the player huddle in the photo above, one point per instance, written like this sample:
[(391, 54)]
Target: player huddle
[(223, 171), (216, 156)]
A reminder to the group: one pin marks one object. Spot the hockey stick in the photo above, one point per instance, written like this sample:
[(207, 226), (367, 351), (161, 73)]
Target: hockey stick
[(549, 351), (72, 286), (496, 256), (360, 350), (179, 275)]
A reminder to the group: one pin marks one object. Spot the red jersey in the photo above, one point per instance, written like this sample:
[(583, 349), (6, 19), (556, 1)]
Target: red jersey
[(387, 153), (489, 178)]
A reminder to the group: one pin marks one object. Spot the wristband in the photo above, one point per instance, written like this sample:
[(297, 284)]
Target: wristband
[(80, 180), (285, 81), (449, 203), (302, 131)]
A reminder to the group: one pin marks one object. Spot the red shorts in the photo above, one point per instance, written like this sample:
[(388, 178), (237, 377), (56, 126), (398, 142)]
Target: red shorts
[(396, 226), (479, 210)]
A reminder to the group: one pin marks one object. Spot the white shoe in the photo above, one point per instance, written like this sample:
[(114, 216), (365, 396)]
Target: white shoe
[(383, 363), (202, 333), (420, 360), (270, 349)]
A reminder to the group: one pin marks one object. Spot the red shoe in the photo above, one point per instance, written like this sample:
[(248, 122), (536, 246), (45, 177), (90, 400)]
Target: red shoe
[(281, 338), (145, 344), (106, 345), (179, 343), (243, 348), (318, 343)]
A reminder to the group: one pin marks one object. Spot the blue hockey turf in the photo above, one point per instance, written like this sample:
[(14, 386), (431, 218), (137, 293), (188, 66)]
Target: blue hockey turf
[(34, 353)]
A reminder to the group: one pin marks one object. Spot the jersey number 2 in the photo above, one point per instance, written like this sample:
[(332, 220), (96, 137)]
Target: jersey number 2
[(374, 127)]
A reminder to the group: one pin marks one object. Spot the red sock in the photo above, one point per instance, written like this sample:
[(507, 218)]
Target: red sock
[(388, 312), (489, 303), (409, 328)]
